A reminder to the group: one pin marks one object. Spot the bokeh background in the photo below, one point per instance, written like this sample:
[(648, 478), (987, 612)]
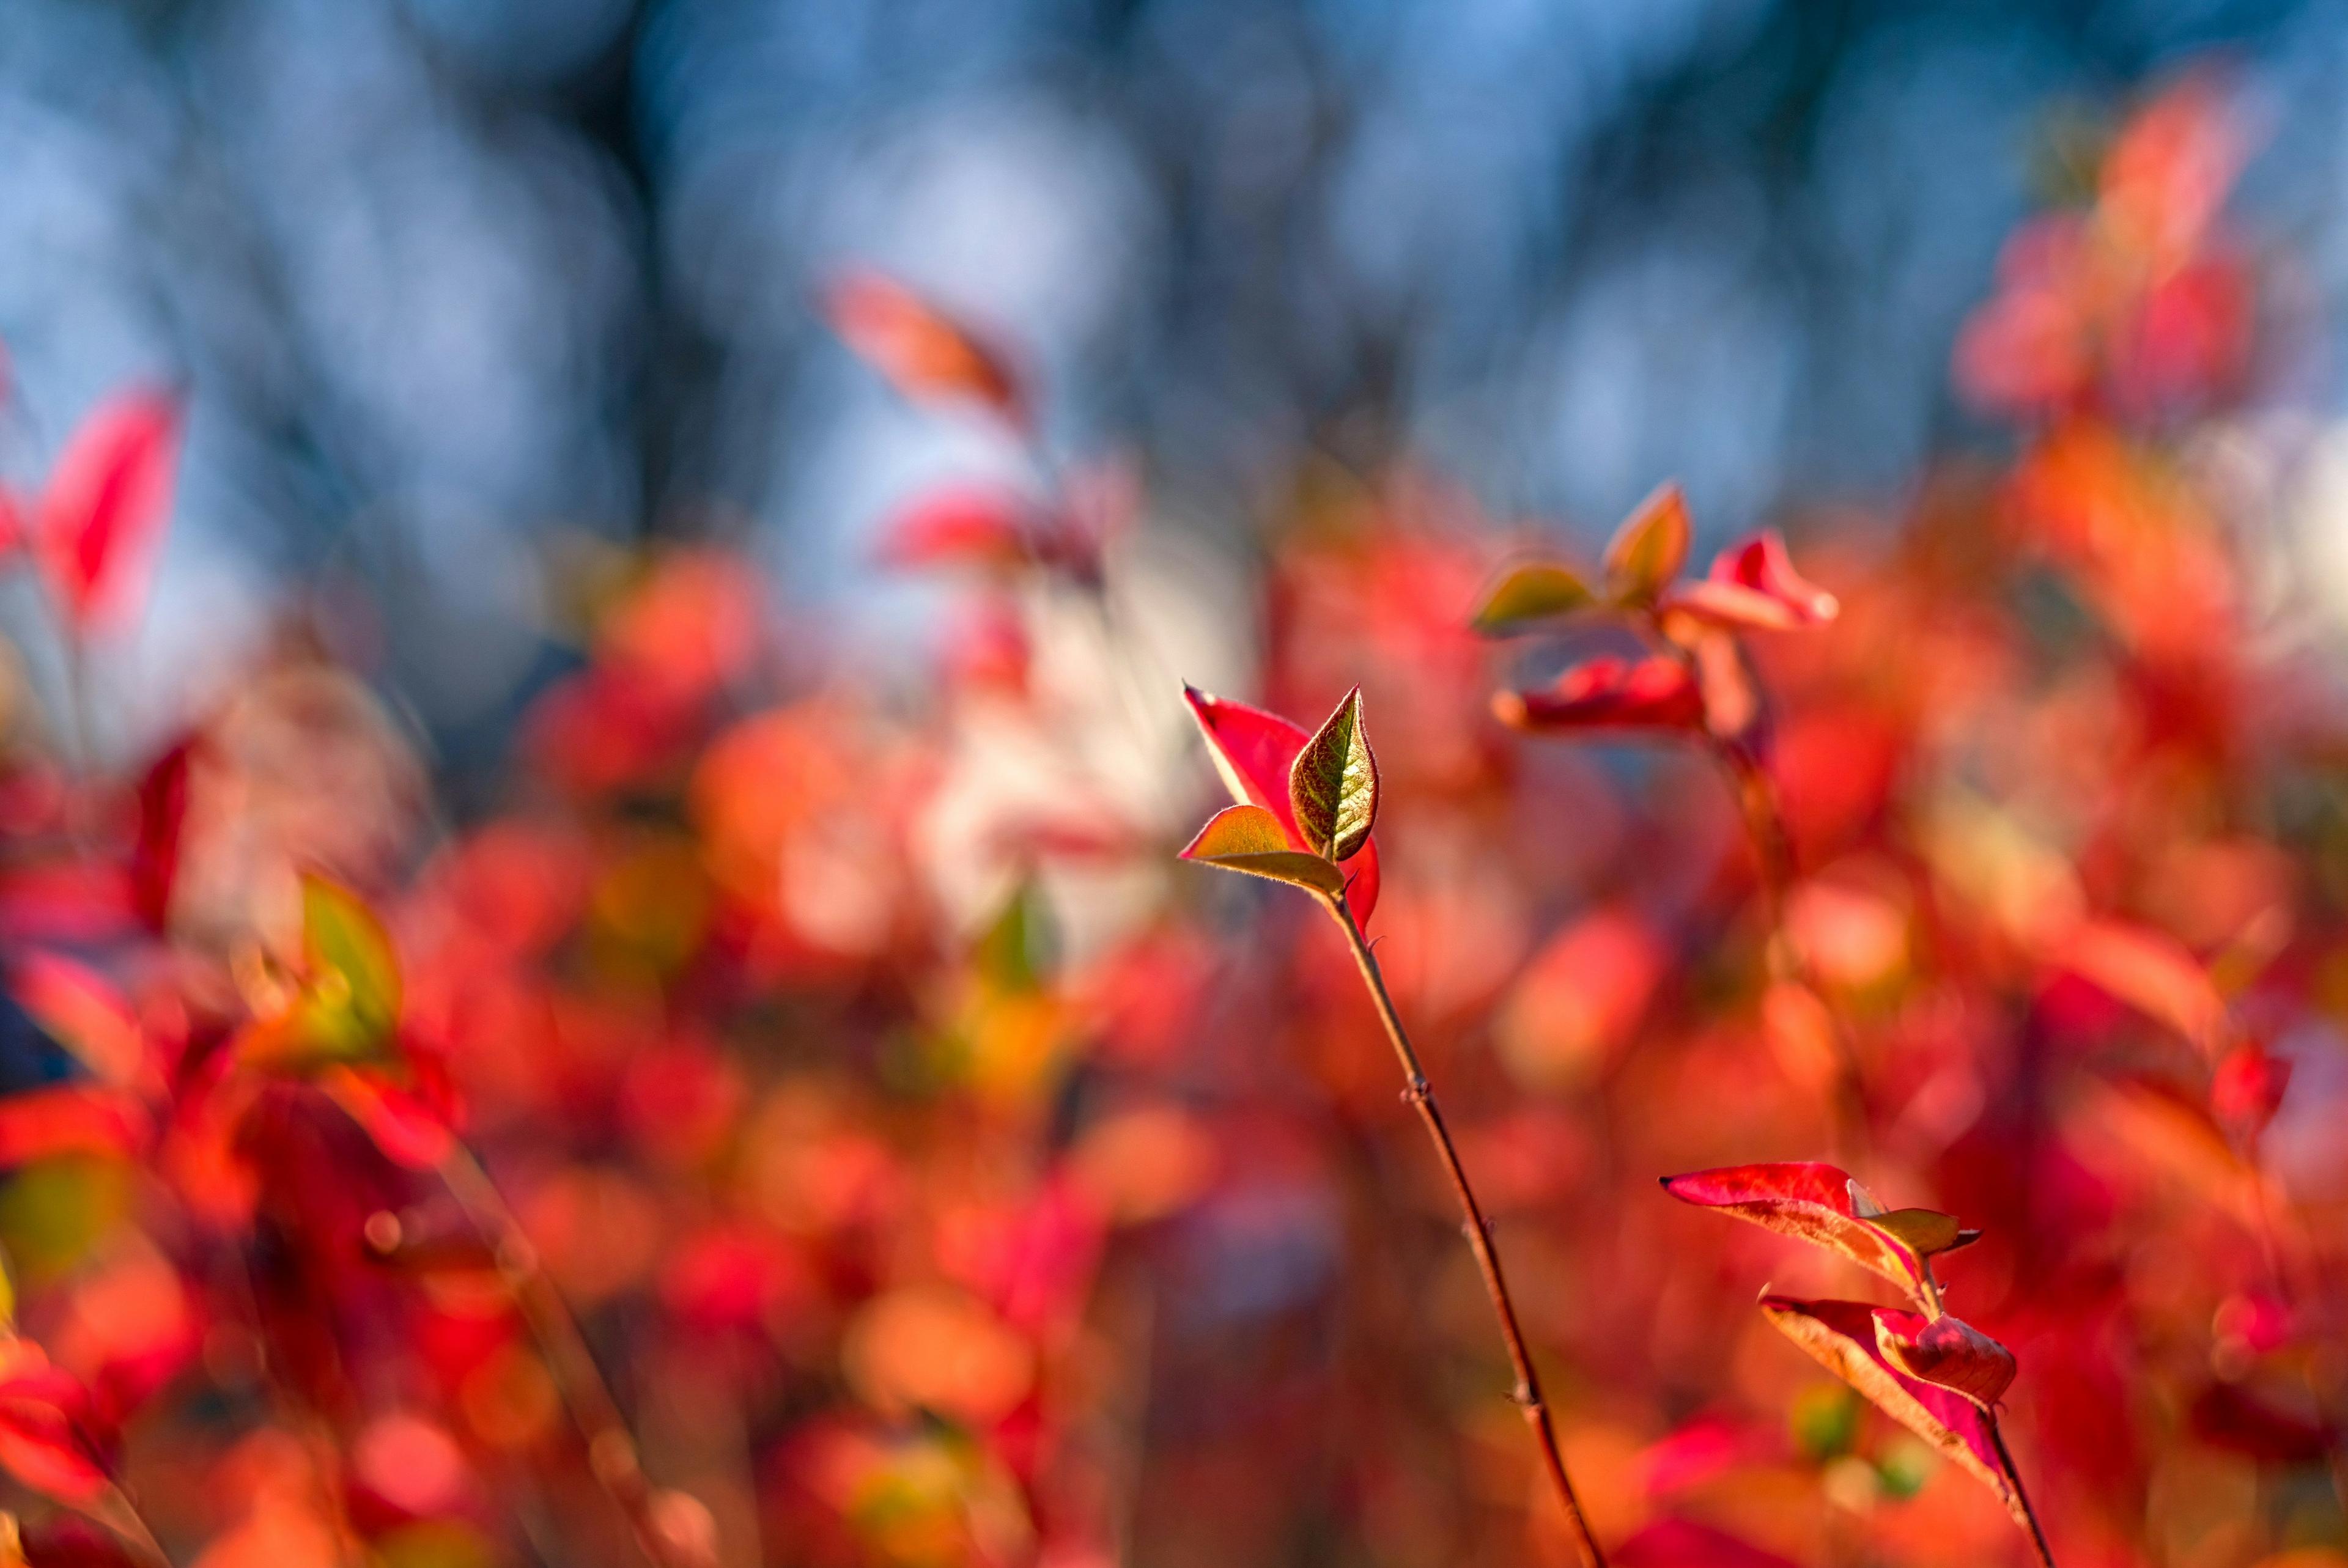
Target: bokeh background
[(565, 902), (452, 281)]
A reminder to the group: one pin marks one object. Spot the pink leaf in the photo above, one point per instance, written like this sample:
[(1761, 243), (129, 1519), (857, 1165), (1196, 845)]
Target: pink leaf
[(102, 516), (1752, 585)]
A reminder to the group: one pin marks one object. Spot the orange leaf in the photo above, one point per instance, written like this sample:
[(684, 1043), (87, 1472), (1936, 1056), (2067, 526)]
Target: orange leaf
[(1251, 839), (924, 353)]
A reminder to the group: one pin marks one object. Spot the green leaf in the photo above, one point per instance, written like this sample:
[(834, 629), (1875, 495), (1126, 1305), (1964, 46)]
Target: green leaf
[(1249, 838), (1527, 592), (1926, 1231), (350, 1002), (1333, 787), (1015, 952), (1648, 550)]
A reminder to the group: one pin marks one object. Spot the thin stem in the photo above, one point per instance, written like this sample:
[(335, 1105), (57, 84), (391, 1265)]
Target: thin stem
[(1527, 1393), (2013, 1479), (115, 1510), (1773, 847), (612, 1455)]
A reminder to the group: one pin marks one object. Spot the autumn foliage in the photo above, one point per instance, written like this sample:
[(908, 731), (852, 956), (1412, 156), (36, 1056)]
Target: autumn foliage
[(801, 1120)]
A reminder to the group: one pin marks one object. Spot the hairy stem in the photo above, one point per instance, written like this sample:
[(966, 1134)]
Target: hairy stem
[(612, 1455), (2013, 1478), (1528, 1393), (1773, 847)]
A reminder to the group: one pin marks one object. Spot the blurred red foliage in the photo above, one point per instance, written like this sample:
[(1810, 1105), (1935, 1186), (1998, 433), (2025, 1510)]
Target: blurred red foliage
[(801, 1124)]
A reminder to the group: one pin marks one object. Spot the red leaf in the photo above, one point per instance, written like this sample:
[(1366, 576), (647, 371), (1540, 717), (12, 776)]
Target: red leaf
[(102, 516), (963, 526), (155, 854), (2248, 1087), (925, 353), (1254, 751), (41, 1442), (1817, 1203), (41, 1123), (1609, 693), (1752, 585), (987, 529), (409, 1129), (1951, 1354), (1840, 1336)]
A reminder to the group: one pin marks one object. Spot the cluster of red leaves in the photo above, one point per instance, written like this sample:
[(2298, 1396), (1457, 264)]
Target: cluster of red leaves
[(940, 1175)]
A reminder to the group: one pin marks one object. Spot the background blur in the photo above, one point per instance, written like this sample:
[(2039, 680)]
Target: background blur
[(470, 976), (453, 281)]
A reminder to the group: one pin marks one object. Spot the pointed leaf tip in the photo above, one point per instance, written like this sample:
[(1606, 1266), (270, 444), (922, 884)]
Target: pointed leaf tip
[(1529, 592), (1648, 550), (1332, 786)]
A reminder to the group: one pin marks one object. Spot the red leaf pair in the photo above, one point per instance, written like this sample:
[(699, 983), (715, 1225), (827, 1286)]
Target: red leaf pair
[(1255, 753), (1850, 1339), (1934, 1374)]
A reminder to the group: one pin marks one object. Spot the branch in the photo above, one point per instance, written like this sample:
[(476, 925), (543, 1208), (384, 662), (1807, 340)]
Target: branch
[(1417, 1091)]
